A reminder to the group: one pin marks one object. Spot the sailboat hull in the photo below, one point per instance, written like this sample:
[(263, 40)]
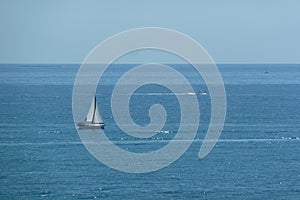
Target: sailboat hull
[(90, 125)]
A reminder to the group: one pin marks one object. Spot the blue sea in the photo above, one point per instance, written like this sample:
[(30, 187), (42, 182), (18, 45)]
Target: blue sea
[(256, 157)]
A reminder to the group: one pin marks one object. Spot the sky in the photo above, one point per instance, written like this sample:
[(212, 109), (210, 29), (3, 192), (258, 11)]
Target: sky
[(231, 31)]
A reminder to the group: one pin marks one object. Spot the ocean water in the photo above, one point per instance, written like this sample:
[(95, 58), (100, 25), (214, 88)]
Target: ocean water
[(257, 156)]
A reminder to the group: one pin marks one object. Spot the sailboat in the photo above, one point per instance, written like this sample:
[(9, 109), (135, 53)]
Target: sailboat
[(266, 71), (93, 119)]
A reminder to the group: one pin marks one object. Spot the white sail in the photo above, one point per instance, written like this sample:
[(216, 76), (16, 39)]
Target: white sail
[(97, 118), (89, 117)]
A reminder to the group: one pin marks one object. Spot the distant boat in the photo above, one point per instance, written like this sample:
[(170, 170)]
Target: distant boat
[(266, 71), (202, 92), (93, 119), (163, 132)]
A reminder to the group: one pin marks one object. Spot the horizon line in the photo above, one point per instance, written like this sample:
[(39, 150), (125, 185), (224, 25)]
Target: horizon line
[(136, 63)]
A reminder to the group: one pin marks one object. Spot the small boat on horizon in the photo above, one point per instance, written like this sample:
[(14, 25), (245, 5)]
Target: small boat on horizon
[(93, 119), (266, 71)]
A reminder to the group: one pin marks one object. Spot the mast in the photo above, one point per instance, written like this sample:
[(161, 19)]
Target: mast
[(94, 111)]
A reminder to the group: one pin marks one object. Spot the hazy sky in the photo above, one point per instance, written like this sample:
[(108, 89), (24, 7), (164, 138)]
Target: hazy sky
[(65, 31)]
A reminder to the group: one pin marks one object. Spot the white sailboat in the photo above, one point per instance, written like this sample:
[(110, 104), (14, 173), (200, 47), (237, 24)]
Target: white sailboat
[(93, 118)]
